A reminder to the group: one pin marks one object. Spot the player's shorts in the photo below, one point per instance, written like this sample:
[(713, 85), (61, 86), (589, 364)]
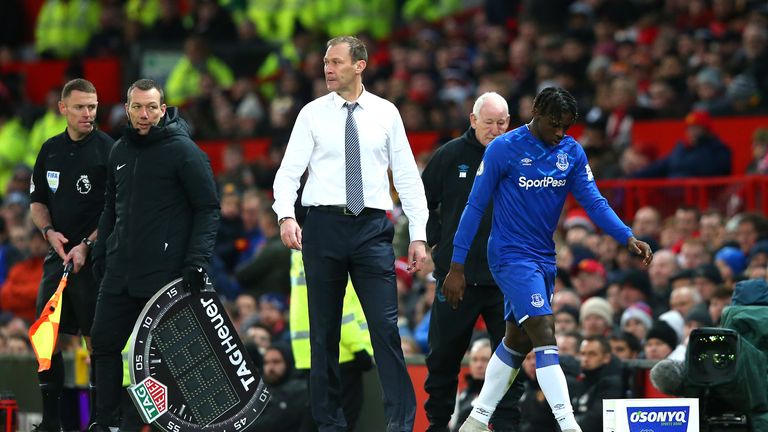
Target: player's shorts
[(528, 288), (78, 299)]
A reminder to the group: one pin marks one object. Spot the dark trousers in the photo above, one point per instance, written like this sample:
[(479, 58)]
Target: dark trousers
[(115, 317), (336, 247), (450, 331)]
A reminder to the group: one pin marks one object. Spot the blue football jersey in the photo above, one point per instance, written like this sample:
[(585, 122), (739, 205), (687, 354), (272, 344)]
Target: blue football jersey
[(529, 181)]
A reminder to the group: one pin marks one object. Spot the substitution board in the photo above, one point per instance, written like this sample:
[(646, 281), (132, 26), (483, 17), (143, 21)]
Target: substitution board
[(189, 369)]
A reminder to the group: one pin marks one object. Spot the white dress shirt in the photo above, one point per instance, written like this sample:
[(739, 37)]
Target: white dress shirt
[(317, 143)]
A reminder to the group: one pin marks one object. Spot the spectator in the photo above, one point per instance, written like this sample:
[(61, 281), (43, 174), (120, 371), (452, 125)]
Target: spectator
[(168, 27), (246, 310), (590, 279), (693, 253), (211, 21), (660, 272), (9, 255), (731, 262), (709, 89), (701, 154), (751, 228), (13, 139), (50, 124), (600, 379), (272, 308), (758, 255), (706, 279), (596, 317), (660, 341), (185, 79), (19, 292), (260, 336), (721, 298), (64, 27), (566, 319), (230, 235), (109, 40), (637, 320), (18, 345), (577, 226), (759, 163), (289, 399), (269, 269), (683, 299), (647, 222), (635, 286), (712, 229), (568, 343), (625, 346), (697, 317), (250, 214)]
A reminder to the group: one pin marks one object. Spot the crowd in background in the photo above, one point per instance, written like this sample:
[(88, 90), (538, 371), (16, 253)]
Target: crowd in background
[(623, 60)]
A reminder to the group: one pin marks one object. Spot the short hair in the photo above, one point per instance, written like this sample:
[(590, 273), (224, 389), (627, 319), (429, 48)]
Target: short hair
[(758, 222), (481, 343), (600, 339), (357, 49), (484, 97), (685, 289), (722, 292), (78, 84), (554, 102), (631, 340), (145, 84), (577, 336), (689, 209)]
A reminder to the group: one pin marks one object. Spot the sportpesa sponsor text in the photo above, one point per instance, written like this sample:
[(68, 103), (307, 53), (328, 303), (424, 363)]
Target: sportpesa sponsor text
[(547, 181)]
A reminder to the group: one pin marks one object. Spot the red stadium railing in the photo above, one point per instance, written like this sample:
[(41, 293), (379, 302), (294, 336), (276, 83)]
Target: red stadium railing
[(727, 194)]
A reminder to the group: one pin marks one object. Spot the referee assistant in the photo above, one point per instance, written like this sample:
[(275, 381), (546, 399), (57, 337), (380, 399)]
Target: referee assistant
[(67, 195), (346, 232)]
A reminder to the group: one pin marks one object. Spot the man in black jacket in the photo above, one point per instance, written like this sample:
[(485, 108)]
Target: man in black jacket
[(601, 378), (159, 222), (447, 180), (67, 195)]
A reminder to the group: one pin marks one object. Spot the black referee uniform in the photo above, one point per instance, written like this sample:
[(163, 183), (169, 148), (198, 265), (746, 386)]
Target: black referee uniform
[(69, 179), (447, 181)]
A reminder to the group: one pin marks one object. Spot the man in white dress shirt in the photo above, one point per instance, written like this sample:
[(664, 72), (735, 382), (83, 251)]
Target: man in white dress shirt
[(347, 140)]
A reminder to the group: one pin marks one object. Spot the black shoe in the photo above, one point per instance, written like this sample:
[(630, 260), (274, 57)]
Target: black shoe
[(43, 428)]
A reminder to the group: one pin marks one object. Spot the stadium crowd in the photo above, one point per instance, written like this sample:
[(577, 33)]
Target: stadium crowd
[(623, 60)]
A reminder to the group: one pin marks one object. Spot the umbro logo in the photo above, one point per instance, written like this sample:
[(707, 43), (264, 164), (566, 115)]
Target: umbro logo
[(120, 166), (526, 161)]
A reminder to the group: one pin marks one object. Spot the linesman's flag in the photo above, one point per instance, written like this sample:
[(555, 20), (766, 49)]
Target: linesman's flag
[(45, 330)]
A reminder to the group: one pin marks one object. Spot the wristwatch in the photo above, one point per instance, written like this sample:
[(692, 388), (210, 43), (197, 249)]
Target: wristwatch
[(45, 231), (88, 242)]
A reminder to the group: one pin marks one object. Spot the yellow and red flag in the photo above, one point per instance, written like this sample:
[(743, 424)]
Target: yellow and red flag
[(45, 330)]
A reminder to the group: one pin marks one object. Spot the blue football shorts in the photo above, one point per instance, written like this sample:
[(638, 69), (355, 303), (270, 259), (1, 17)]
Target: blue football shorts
[(528, 288)]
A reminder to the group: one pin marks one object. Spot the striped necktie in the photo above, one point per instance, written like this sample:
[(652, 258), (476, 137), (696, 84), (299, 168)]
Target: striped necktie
[(354, 175)]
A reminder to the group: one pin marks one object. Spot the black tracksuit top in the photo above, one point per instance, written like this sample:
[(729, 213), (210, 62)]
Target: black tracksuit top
[(161, 208), (447, 181)]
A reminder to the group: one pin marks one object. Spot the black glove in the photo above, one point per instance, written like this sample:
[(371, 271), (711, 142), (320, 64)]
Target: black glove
[(98, 267), (363, 360), (193, 279)]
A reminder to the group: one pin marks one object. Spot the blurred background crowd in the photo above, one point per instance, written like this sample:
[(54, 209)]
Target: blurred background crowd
[(244, 68)]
